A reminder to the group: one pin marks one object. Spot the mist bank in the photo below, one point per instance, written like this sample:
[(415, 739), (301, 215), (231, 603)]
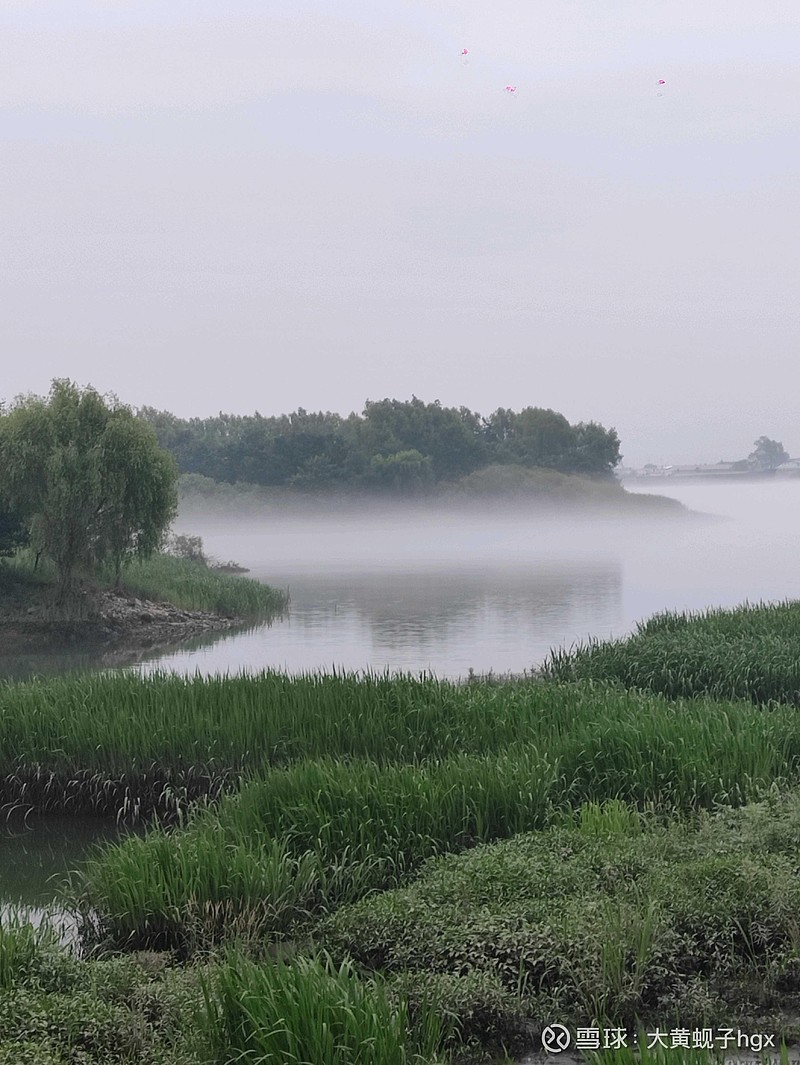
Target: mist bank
[(515, 488)]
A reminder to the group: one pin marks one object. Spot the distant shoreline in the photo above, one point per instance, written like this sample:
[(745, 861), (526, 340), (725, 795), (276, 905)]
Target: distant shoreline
[(513, 488), (708, 478)]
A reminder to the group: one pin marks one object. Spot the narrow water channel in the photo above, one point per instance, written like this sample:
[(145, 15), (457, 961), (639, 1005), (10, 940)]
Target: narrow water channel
[(36, 855)]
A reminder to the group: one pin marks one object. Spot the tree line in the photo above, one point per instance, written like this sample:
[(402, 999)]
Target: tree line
[(393, 445)]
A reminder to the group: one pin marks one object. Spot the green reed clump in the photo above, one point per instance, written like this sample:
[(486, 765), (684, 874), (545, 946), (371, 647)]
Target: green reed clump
[(747, 653), (127, 743), (310, 1011), (115, 722), (163, 893), (141, 745), (193, 586), (20, 945)]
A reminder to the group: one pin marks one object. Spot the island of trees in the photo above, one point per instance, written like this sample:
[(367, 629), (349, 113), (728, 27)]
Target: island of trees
[(393, 446)]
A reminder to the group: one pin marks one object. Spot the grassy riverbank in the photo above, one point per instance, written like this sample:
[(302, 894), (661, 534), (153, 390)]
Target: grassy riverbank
[(749, 653), (157, 602), (440, 868), (164, 578), (531, 489)]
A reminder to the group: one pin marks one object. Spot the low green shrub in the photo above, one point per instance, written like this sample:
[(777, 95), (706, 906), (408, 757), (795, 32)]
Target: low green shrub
[(695, 916), (477, 1010), (62, 1010)]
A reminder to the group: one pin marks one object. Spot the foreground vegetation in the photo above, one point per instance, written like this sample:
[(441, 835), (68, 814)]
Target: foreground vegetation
[(56, 1009), (82, 736), (748, 653), (610, 915), (389, 869)]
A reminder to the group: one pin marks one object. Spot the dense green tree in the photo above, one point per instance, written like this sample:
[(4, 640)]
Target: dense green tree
[(768, 454), (596, 449), (533, 437), (405, 472), (88, 479), (13, 533), (322, 450), (450, 437)]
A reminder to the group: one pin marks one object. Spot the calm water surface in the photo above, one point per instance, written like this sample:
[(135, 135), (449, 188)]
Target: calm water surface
[(36, 856), (450, 593)]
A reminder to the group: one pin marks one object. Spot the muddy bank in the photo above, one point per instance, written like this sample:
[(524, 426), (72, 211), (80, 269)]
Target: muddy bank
[(98, 619)]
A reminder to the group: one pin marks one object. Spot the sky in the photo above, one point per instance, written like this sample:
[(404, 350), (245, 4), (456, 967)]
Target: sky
[(250, 206)]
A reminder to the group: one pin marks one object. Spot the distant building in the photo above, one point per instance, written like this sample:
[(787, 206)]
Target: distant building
[(707, 469), (654, 471), (742, 468), (791, 466)]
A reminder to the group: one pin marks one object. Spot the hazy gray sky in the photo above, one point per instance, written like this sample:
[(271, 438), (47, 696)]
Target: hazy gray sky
[(238, 206)]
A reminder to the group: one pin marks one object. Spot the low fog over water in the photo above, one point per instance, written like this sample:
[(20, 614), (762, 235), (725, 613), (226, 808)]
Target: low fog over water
[(451, 591)]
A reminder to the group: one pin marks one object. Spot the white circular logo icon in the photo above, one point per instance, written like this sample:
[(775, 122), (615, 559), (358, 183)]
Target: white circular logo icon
[(555, 1039)]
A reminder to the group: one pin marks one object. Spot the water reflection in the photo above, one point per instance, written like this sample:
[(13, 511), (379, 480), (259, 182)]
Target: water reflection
[(57, 663), (441, 620), (36, 853), (448, 592)]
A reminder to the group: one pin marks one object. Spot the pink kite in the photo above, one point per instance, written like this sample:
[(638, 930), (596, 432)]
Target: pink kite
[(465, 51), (661, 81), (510, 89)]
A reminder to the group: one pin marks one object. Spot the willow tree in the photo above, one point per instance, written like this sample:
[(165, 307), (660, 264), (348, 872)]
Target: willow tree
[(87, 478)]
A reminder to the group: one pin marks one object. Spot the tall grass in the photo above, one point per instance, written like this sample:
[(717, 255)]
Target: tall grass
[(310, 1011), (124, 743), (193, 586), (108, 743), (20, 945), (165, 578), (314, 835), (750, 653)]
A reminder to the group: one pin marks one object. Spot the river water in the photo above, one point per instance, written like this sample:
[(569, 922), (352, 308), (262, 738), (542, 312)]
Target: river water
[(450, 592), (447, 592)]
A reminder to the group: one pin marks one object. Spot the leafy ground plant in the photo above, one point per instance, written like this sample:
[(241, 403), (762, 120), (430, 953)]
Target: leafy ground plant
[(690, 923)]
